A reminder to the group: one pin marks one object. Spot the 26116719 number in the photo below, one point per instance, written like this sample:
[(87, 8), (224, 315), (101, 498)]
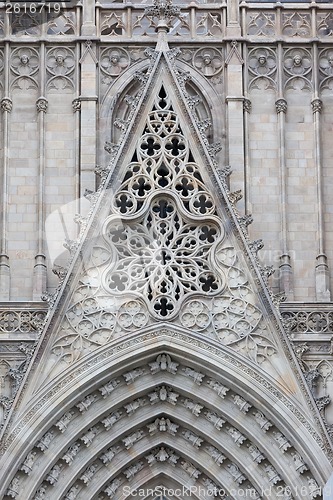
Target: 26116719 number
[(32, 8)]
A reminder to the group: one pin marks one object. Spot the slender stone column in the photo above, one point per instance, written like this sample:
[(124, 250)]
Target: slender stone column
[(235, 116), (247, 106), (40, 271), (6, 107), (88, 123), (76, 104), (322, 271), (286, 273)]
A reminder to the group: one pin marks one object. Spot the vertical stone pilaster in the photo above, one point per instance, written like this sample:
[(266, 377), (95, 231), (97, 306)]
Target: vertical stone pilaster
[(76, 106), (89, 18), (233, 24), (285, 268), (235, 115), (247, 107), (88, 123), (323, 293), (322, 271), (6, 108), (286, 275), (40, 271)]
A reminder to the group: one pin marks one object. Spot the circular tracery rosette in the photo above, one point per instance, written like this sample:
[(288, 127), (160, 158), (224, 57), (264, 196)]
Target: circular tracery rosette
[(132, 315), (114, 61), (195, 314), (164, 256)]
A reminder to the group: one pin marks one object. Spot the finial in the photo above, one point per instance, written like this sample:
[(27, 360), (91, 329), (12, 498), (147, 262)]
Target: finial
[(164, 11)]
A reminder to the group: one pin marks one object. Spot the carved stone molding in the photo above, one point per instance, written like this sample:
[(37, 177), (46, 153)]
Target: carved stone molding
[(41, 104), (24, 67), (317, 105), (60, 65), (281, 106), (262, 68), (21, 320), (6, 104), (247, 105), (76, 105)]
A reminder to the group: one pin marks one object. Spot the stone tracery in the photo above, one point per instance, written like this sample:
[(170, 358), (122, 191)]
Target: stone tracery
[(163, 243)]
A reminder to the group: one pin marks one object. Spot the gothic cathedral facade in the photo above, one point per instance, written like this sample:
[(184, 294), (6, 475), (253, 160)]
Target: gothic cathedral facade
[(166, 258)]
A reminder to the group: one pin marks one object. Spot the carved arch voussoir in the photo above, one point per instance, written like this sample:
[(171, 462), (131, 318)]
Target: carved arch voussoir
[(180, 375)]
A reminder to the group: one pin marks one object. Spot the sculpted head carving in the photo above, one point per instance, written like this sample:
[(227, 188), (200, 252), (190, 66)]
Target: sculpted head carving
[(114, 58), (60, 60), (262, 60), (207, 59), (297, 60), (24, 59)]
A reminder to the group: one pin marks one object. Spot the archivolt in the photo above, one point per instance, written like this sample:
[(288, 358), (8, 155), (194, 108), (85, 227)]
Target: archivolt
[(121, 97), (163, 400)]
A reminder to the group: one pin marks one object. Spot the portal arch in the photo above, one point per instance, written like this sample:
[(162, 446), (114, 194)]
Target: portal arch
[(255, 433)]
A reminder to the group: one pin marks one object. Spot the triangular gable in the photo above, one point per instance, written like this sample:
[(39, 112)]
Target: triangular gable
[(165, 245)]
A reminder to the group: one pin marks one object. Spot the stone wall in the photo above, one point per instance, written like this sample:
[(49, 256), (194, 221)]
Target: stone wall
[(264, 76)]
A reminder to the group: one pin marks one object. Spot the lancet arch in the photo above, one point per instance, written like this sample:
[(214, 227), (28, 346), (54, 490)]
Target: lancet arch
[(125, 92)]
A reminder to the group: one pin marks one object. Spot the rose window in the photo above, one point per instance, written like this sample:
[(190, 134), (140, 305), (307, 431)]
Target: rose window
[(163, 246)]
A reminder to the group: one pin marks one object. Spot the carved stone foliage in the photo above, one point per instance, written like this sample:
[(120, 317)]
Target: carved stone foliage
[(145, 22), (262, 68), (24, 64), (61, 24), (14, 361), (162, 12), (297, 69), (60, 67), (261, 23)]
